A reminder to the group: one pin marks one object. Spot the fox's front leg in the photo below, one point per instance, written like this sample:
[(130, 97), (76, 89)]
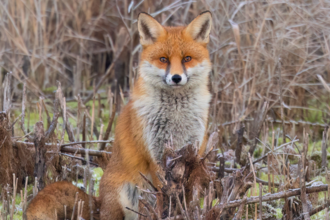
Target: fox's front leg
[(116, 194)]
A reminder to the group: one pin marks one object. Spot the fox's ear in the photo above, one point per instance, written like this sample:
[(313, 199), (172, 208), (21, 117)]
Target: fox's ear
[(199, 29), (149, 29)]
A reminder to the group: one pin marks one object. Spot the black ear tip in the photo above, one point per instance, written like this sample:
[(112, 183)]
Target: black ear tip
[(206, 12)]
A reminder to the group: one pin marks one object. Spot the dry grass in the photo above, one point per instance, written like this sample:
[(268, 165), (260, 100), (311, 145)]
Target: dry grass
[(260, 50), (274, 51)]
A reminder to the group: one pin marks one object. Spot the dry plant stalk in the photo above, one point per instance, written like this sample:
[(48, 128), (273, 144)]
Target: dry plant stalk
[(15, 180)]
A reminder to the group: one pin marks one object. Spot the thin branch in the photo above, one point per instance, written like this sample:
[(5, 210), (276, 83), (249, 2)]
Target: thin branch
[(280, 195), (136, 212), (108, 131)]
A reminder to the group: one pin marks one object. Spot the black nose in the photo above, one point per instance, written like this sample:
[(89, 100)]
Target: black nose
[(176, 78)]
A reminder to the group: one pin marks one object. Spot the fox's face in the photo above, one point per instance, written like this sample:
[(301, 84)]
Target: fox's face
[(174, 57)]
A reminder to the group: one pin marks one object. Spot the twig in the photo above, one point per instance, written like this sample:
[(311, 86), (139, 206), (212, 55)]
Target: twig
[(23, 107), (52, 127), (40, 153), (318, 209), (221, 171), (84, 131), (149, 207), (78, 158), (108, 131), (74, 206), (300, 122), (240, 209), (15, 181), (68, 149), (93, 112), (136, 212), (268, 172), (281, 97), (303, 196), (260, 201), (6, 93), (148, 181), (324, 149), (213, 141), (147, 191), (280, 195), (279, 147), (83, 151), (86, 142), (185, 203), (239, 145), (15, 121), (48, 117), (183, 213)]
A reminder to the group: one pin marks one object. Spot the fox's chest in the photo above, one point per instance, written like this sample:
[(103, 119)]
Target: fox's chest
[(174, 120)]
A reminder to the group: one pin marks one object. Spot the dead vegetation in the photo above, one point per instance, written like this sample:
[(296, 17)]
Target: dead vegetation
[(269, 114)]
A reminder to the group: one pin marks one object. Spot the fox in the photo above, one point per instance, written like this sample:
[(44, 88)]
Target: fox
[(169, 105), (54, 197)]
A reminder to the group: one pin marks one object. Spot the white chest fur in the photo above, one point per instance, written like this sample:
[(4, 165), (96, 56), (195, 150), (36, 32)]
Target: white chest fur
[(172, 116)]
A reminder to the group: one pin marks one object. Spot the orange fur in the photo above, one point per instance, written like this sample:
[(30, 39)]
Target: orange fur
[(54, 197), (131, 154)]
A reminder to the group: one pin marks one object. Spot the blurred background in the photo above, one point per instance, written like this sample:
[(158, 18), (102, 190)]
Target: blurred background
[(261, 50), (270, 58)]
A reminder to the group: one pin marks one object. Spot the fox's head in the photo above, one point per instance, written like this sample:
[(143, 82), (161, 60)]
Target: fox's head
[(175, 57)]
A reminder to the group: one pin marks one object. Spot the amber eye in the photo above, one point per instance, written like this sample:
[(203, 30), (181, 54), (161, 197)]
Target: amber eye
[(163, 60), (186, 59)]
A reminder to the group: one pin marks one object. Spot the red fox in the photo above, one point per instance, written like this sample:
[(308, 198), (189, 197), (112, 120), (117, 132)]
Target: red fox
[(53, 198), (169, 105)]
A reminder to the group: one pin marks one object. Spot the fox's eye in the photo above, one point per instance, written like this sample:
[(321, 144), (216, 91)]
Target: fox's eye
[(163, 60), (186, 59)]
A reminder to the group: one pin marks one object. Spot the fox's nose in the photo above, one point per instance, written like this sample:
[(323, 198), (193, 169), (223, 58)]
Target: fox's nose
[(176, 78)]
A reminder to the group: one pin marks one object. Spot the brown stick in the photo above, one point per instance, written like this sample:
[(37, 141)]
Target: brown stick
[(6, 93), (23, 108), (86, 142), (239, 145), (231, 170), (183, 213), (303, 196), (268, 173), (221, 171), (260, 201), (324, 149), (272, 159), (320, 208), (148, 181), (136, 212), (279, 195), (40, 138), (149, 207), (84, 131), (52, 127), (301, 123), (240, 209), (48, 117), (107, 132), (40, 158), (69, 149), (78, 158), (83, 151)]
